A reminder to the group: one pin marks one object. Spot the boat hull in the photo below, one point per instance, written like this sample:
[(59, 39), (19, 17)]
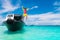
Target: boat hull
[(14, 25)]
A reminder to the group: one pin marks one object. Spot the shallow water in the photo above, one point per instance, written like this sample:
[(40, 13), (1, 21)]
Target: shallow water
[(31, 33)]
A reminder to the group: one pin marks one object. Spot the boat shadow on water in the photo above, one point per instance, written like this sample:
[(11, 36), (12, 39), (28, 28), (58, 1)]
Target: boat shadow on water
[(15, 32)]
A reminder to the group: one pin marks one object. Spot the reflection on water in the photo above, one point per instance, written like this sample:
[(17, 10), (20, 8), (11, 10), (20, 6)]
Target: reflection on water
[(31, 33), (15, 32)]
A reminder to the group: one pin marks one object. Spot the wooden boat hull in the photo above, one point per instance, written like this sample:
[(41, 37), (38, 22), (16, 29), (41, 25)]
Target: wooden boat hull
[(14, 25)]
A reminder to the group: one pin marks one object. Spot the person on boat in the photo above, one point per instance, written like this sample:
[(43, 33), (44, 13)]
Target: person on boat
[(25, 12)]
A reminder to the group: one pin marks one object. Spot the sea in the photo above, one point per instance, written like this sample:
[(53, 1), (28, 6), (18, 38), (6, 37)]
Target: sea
[(32, 32)]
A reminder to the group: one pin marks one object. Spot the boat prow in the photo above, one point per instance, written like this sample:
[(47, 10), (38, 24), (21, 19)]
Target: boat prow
[(14, 22)]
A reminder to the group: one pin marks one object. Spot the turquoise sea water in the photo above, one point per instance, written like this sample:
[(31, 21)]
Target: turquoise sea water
[(31, 33)]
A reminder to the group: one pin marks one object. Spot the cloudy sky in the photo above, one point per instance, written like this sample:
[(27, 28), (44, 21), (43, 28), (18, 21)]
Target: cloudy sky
[(40, 12)]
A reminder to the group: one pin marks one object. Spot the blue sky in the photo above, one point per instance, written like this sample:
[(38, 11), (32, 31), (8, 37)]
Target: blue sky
[(46, 9), (43, 6)]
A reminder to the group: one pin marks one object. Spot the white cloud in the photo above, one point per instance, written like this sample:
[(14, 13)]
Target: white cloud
[(6, 4), (43, 19), (58, 9), (32, 7), (57, 6), (57, 3)]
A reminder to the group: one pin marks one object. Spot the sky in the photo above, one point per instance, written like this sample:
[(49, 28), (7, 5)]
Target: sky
[(40, 12)]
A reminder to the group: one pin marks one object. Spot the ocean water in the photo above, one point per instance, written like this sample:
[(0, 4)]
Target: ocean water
[(49, 32)]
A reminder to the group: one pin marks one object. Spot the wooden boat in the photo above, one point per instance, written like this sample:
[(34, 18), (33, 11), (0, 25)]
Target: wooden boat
[(14, 22)]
